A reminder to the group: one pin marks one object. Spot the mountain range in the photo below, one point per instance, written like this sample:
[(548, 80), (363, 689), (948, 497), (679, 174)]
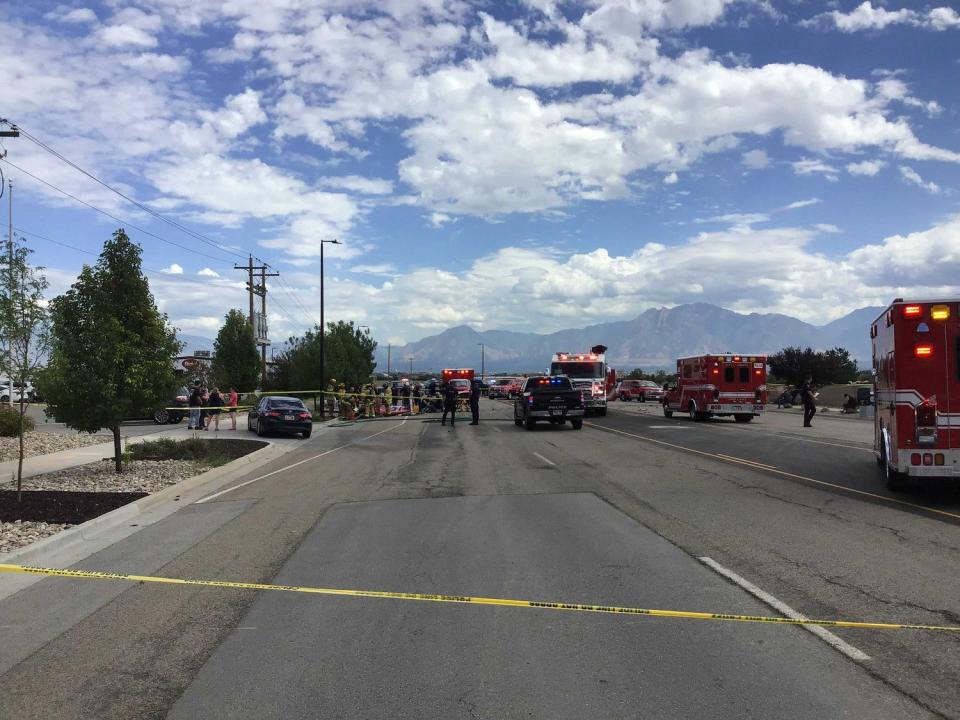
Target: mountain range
[(651, 341)]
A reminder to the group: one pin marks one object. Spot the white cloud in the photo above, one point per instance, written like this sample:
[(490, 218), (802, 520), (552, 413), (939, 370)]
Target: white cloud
[(867, 17), (827, 228), (173, 269), (438, 219), (801, 204), (207, 272), (75, 15), (238, 114), (375, 269), (358, 184), (670, 179), (756, 159), (124, 35), (635, 17), (813, 166), (913, 177), (866, 167)]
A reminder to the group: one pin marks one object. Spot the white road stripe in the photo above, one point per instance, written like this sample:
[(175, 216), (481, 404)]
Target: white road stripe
[(669, 427), (548, 462), (828, 637), (301, 462)]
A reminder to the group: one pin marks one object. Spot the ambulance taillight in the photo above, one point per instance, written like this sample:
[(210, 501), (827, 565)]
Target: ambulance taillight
[(926, 422), (912, 311)]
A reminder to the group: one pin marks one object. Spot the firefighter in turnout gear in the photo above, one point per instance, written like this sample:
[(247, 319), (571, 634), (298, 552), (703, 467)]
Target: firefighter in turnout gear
[(450, 398), (475, 402)]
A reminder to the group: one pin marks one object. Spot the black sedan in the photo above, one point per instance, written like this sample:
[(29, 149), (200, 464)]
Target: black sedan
[(280, 414)]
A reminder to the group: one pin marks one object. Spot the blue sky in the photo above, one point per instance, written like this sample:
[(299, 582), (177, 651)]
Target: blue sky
[(526, 165)]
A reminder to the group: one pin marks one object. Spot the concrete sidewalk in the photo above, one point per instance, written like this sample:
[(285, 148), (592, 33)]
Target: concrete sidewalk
[(64, 459)]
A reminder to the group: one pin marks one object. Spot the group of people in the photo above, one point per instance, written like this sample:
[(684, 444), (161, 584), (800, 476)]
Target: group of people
[(205, 407), (369, 401)]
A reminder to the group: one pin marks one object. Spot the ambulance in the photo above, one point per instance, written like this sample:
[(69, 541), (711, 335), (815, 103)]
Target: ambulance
[(916, 367), (718, 384), (460, 378), (590, 374)]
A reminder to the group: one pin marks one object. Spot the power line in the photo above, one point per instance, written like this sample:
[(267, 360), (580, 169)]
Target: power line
[(112, 217), (151, 271), (137, 203)]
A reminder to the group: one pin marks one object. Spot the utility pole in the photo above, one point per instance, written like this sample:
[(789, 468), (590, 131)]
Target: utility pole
[(388, 359), (411, 366), (323, 326), (258, 322)]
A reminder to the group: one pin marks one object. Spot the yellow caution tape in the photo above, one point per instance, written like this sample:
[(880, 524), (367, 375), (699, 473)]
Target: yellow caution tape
[(464, 599), (225, 408)]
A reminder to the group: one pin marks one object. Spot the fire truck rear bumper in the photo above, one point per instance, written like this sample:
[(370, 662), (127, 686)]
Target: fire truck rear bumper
[(591, 402), (949, 468), (735, 409)]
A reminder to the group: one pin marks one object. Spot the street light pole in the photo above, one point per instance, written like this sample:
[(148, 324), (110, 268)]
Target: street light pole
[(482, 361), (323, 327)]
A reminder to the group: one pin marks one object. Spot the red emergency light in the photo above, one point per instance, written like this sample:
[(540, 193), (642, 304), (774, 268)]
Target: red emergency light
[(911, 311), (923, 350)]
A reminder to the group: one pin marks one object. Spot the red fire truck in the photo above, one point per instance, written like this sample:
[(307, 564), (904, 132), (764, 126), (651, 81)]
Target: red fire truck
[(916, 365), (718, 384), (460, 378), (589, 373)]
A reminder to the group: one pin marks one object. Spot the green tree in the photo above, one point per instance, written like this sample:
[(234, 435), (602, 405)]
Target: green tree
[(236, 362), (24, 328), (635, 374), (793, 365), (111, 349), (348, 354)]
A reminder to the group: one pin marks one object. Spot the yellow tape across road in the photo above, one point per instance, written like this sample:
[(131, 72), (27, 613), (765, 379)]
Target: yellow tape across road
[(463, 599)]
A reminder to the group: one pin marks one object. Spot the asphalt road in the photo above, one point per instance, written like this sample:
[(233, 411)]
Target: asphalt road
[(606, 515)]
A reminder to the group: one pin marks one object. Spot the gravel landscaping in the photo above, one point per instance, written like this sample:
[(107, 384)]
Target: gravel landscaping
[(54, 501), (42, 443), (17, 534)]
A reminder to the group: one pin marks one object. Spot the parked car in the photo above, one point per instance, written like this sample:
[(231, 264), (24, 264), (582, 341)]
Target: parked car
[(27, 391), (165, 415), (640, 390), (280, 414)]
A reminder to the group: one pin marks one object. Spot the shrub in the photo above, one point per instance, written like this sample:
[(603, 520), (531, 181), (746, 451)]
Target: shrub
[(10, 422)]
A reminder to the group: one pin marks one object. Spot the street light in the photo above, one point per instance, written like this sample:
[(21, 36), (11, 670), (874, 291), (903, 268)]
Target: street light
[(323, 326), (482, 357)]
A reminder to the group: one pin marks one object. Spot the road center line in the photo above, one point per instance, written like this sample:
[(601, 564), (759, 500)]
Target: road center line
[(828, 637), (784, 473), (548, 462), (301, 462), (748, 462)]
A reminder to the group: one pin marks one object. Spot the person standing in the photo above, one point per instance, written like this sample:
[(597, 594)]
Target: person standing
[(234, 401), (215, 401), (195, 401), (204, 397), (475, 402), (809, 406), (450, 397)]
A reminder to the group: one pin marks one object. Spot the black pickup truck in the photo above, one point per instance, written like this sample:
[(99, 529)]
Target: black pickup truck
[(550, 398)]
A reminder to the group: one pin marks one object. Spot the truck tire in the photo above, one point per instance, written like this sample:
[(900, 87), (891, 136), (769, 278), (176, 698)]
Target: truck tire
[(529, 423), (577, 423), (667, 412), (624, 397), (896, 481), (743, 418)]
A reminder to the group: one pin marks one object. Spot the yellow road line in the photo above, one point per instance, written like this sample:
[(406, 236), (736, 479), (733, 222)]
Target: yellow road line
[(466, 599), (784, 473), (747, 462)]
